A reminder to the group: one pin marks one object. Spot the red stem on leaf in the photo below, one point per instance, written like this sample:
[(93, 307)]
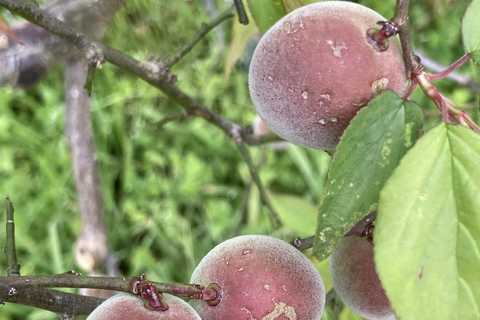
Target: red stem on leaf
[(451, 68), (450, 114)]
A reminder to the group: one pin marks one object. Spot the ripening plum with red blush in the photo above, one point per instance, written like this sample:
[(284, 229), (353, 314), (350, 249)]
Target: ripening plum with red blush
[(130, 307), (315, 68), (260, 278), (354, 276)]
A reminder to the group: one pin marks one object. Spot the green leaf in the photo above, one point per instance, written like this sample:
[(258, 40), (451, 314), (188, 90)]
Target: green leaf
[(368, 152), (471, 29), (266, 12), (427, 233), (296, 213)]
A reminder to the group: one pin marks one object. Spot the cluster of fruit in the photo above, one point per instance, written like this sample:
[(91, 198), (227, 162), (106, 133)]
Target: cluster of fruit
[(261, 277), (309, 76)]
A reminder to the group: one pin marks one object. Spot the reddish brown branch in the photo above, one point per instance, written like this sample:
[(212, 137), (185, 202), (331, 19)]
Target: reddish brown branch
[(401, 20), (449, 69), (51, 300), (461, 79), (73, 280), (17, 290)]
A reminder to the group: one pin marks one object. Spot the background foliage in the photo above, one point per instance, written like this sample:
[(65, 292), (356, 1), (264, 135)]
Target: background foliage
[(171, 192)]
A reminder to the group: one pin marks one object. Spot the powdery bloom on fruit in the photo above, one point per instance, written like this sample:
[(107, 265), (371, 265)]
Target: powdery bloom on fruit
[(314, 65), (277, 282), (126, 306), (356, 281)]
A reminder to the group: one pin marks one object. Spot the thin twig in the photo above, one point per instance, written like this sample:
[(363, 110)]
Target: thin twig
[(447, 71), (19, 289), (460, 78), (51, 300), (272, 213), (74, 280), (242, 13), (401, 19), (204, 30), (28, 57), (11, 251), (415, 72), (303, 244)]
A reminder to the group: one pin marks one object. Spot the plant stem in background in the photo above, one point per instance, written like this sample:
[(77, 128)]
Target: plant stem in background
[(10, 250)]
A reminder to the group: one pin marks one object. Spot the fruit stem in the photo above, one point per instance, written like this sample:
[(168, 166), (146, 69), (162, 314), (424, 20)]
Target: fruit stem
[(379, 38), (303, 244), (212, 294), (149, 293)]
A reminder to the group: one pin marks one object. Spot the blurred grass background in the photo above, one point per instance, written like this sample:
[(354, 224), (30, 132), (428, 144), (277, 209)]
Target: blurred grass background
[(171, 193)]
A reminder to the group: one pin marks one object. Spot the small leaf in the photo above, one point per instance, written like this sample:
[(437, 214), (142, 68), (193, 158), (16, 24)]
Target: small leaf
[(471, 30), (427, 233), (368, 152), (266, 12), (296, 213)]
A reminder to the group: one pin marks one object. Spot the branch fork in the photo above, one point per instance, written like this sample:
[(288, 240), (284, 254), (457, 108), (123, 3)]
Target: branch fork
[(417, 75)]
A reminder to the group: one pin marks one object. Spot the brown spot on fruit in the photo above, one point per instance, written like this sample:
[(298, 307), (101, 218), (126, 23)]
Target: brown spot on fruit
[(379, 85), (281, 311), (317, 51)]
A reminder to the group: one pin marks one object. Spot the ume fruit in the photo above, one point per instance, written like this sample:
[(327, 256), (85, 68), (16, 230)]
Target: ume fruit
[(315, 68), (354, 276), (260, 278)]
